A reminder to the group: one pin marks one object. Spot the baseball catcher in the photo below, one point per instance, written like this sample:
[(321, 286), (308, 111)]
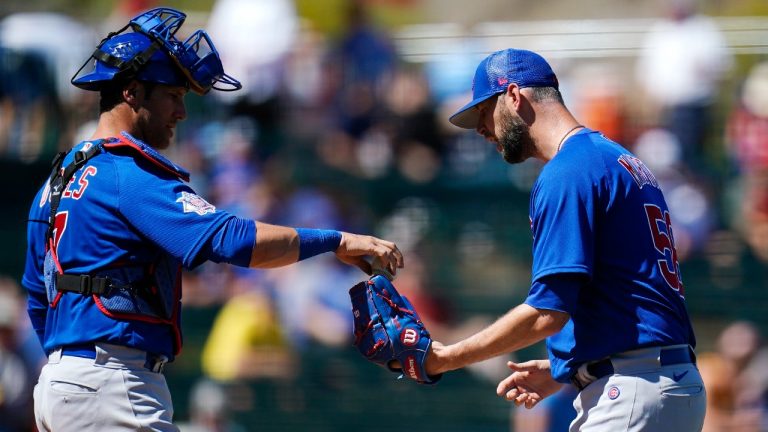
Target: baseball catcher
[(387, 329)]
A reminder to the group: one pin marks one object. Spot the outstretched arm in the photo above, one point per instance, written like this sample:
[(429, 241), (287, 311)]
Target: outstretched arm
[(520, 327), (529, 383), (278, 246)]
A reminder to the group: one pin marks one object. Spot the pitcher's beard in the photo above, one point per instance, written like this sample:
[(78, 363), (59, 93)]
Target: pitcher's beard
[(515, 140)]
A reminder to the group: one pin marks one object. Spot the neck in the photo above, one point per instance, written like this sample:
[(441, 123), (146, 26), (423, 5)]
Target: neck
[(115, 121), (553, 126)]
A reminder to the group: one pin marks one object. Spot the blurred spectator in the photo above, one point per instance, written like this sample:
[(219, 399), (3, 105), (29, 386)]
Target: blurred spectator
[(209, 408), (357, 68), (693, 215), (311, 297), (598, 99), (682, 64), (553, 414), (59, 40), (313, 303), (254, 39), (48, 110), (28, 106), (246, 340), (364, 53), (736, 378), (747, 140), (16, 382), (412, 125)]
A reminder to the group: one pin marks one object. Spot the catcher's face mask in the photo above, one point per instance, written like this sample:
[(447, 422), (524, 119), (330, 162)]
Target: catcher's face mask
[(196, 57)]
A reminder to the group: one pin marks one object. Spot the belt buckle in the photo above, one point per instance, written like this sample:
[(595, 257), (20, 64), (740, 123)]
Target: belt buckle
[(577, 383), (582, 378), (156, 363)]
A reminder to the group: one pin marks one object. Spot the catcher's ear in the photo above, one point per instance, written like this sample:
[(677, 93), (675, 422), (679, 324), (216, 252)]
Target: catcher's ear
[(133, 92)]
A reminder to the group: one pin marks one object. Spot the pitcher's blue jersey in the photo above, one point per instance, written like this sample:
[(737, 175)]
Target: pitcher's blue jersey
[(125, 208), (598, 212)]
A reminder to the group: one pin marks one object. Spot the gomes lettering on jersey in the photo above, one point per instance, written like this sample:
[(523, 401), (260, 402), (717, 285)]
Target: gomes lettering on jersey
[(82, 183), (639, 172), (664, 243)]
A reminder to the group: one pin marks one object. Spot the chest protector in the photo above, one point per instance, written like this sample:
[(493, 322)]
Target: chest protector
[(148, 293)]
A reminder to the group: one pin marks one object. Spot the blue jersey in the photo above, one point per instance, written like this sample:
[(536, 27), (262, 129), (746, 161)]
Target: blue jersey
[(599, 218), (126, 208)]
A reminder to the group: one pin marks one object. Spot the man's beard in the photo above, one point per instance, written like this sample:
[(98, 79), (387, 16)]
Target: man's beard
[(515, 140)]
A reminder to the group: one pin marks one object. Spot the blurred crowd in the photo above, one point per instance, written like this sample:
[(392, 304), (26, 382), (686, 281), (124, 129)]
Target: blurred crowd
[(329, 126)]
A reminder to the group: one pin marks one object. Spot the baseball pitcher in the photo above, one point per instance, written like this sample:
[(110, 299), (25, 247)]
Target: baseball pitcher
[(606, 292)]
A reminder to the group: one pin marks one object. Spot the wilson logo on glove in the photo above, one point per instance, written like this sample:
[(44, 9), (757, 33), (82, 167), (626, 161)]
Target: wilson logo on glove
[(388, 330), (409, 337)]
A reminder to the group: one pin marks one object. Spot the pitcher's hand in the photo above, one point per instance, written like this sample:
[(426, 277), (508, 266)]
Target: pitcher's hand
[(529, 383)]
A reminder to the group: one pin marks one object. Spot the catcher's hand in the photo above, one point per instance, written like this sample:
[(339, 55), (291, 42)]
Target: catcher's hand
[(388, 330)]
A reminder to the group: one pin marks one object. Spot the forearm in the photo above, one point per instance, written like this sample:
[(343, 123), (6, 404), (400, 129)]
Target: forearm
[(275, 246), (518, 328)]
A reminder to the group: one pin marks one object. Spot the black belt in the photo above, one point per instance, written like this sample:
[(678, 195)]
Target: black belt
[(154, 362), (668, 356)]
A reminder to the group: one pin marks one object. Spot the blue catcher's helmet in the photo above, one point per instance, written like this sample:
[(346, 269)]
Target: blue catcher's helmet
[(121, 57), (152, 53)]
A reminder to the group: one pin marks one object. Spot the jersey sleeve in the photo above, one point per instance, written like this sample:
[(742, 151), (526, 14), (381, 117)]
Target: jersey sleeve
[(32, 280), (171, 215), (558, 292), (563, 218)]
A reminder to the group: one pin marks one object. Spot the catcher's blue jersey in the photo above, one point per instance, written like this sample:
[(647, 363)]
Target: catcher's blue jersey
[(127, 207), (598, 216)]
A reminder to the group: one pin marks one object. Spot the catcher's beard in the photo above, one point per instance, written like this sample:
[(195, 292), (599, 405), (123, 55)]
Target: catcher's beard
[(515, 139)]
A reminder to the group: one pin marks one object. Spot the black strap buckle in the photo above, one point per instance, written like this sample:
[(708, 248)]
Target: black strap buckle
[(93, 284), (85, 284)]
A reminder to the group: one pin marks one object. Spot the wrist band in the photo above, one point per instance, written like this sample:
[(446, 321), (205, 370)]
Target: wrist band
[(315, 241)]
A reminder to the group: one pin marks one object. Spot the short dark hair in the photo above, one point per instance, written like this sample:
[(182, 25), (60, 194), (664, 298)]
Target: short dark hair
[(546, 94), (112, 95)]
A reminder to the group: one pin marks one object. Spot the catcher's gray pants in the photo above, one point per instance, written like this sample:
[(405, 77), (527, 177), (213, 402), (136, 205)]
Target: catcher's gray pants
[(112, 392), (643, 396)]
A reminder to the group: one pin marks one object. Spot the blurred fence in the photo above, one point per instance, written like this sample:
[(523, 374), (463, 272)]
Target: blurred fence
[(569, 39)]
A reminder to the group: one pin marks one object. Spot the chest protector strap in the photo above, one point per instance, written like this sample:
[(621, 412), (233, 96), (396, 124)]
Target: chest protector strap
[(57, 182), (60, 178), (150, 292)]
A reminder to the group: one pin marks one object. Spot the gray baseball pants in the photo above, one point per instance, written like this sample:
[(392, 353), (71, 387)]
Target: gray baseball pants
[(642, 396), (112, 392)]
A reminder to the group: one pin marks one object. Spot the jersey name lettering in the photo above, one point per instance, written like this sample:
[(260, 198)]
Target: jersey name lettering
[(82, 183), (640, 173)]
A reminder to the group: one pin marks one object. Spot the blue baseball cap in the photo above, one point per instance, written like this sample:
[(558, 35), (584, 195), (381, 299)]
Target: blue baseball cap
[(496, 72)]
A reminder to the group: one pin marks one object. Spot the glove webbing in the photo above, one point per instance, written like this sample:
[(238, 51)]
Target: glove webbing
[(359, 334), (394, 306)]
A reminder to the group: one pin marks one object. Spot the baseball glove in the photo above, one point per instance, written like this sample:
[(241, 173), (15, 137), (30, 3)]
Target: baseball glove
[(387, 328)]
